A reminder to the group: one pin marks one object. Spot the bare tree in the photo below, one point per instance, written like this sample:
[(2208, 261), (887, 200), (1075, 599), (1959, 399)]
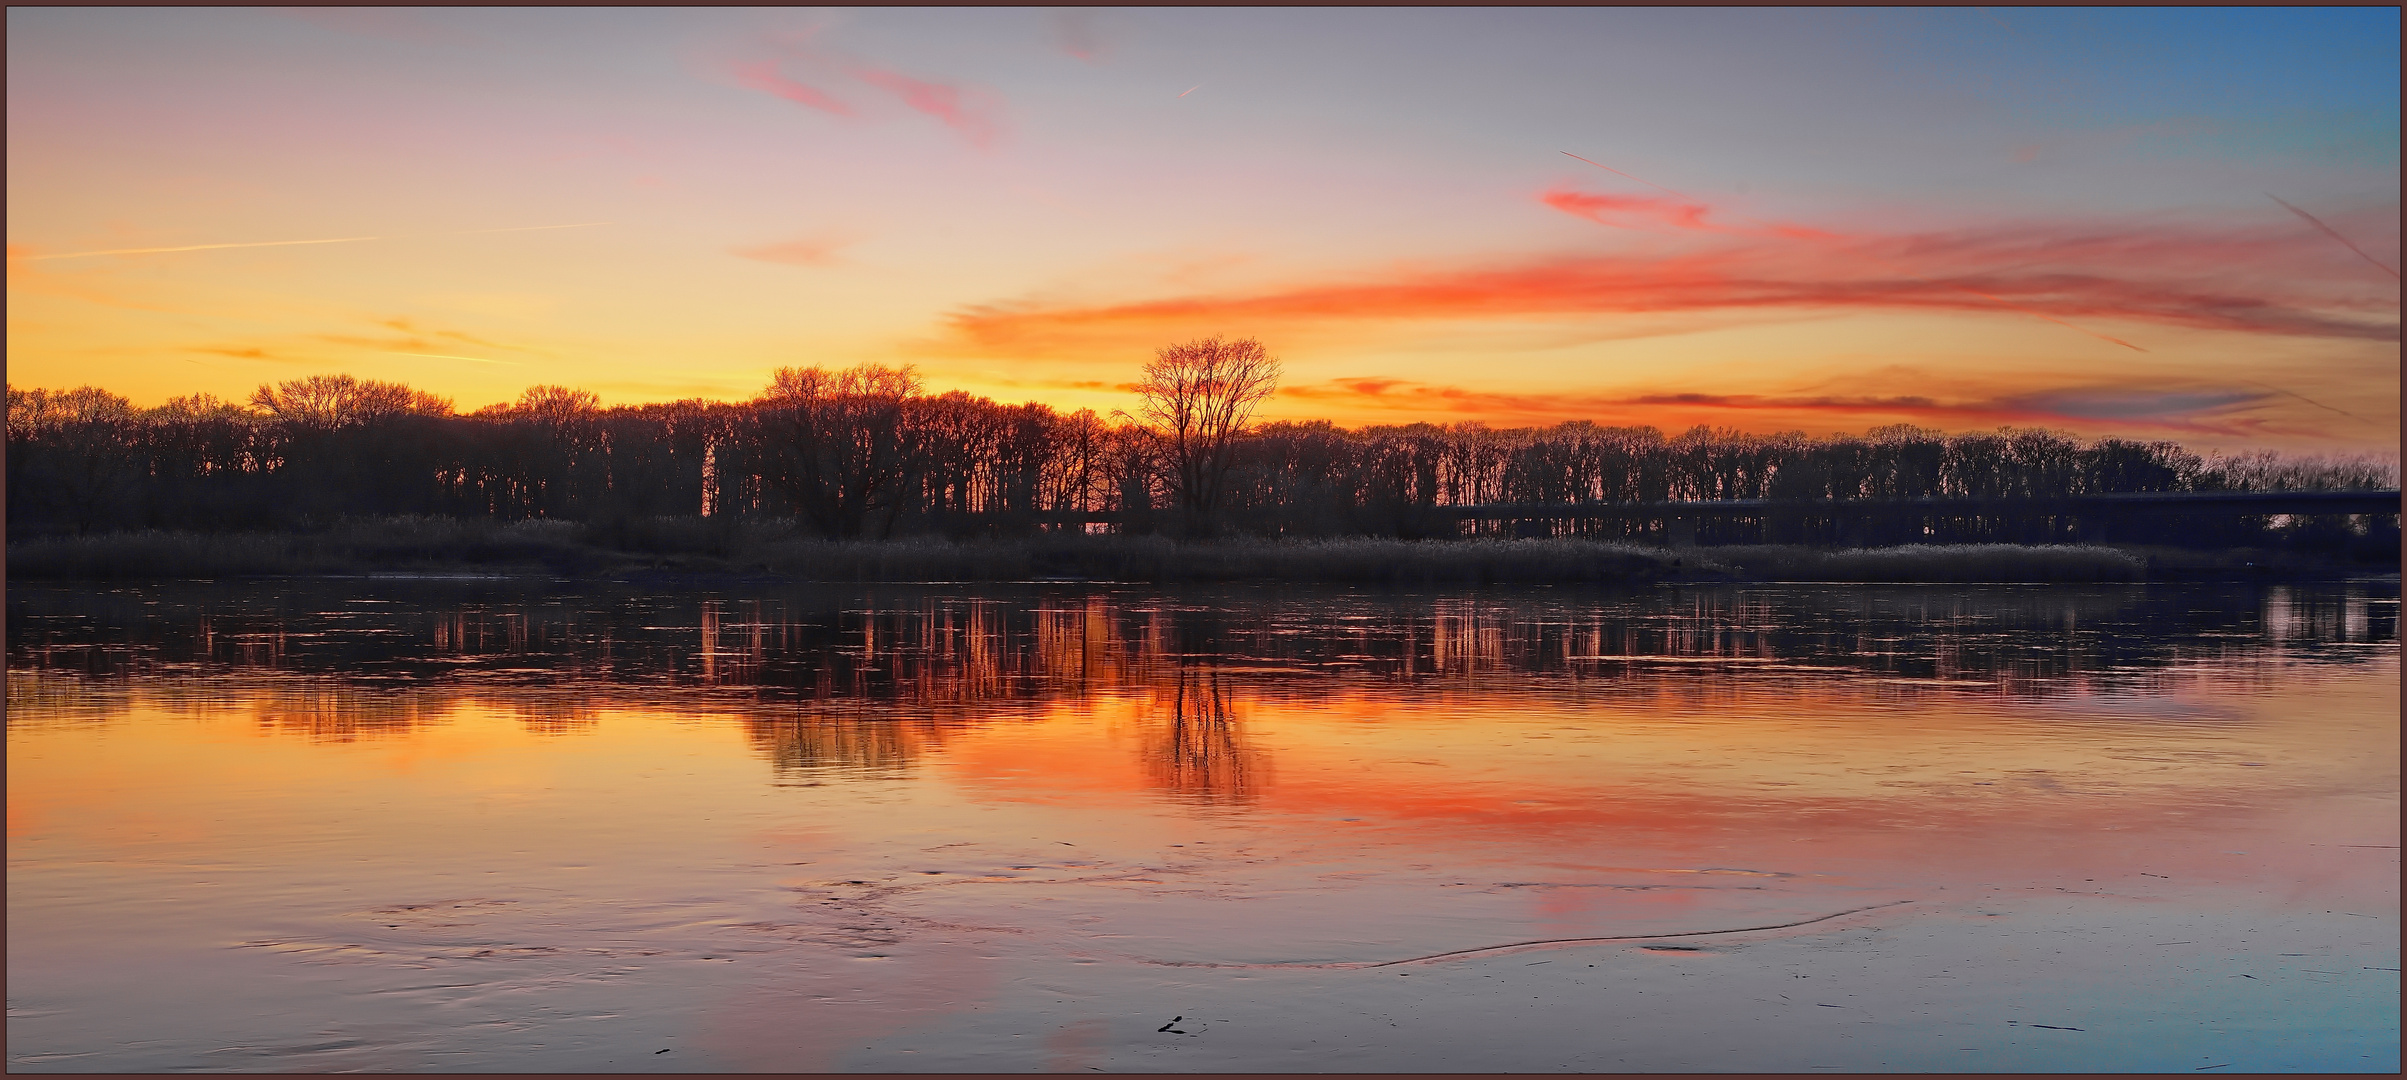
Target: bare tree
[(842, 444), (1197, 398), (74, 446), (326, 402), (557, 404)]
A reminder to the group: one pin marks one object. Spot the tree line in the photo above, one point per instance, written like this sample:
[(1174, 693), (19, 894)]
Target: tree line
[(867, 452)]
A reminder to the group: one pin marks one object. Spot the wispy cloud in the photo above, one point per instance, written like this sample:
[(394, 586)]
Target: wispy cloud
[(2204, 410), (2132, 404), (411, 338), (239, 352), (197, 247), (762, 75), (406, 325), (1081, 33), (29, 257), (1792, 232), (1626, 209), (975, 114), (2236, 280), (2335, 234), (971, 113), (26, 279), (1640, 211), (818, 250), (453, 356)]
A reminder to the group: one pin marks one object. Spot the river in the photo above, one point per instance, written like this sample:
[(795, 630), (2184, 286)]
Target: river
[(463, 825)]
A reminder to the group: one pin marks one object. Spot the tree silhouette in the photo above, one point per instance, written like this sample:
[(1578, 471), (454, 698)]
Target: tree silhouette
[(332, 401), (838, 444), (864, 452), (68, 449), (1197, 397)]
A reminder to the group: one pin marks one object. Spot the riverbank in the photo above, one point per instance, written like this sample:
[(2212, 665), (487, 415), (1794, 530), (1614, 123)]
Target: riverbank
[(681, 549)]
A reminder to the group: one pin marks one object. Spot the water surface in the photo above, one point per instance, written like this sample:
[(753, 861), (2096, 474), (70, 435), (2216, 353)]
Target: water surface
[(483, 827)]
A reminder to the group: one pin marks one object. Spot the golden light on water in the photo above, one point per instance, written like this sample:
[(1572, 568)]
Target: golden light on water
[(821, 830)]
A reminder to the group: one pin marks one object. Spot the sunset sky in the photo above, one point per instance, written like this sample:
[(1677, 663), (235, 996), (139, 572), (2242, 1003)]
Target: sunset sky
[(2155, 223)]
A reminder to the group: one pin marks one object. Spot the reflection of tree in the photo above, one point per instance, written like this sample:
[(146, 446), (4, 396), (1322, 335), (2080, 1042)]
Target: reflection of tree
[(555, 714), (1202, 753), (37, 697), (898, 653), (338, 713), (825, 741)]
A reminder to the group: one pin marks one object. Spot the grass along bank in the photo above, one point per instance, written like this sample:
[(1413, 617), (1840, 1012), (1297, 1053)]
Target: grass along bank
[(694, 546)]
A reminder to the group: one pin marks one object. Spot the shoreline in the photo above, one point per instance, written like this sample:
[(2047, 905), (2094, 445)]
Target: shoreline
[(434, 549)]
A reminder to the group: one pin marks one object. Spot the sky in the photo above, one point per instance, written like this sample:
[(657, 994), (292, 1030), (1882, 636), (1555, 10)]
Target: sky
[(2149, 223)]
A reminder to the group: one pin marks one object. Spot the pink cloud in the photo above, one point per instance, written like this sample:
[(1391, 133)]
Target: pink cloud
[(1633, 211), (762, 75), (1078, 33), (816, 250), (1620, 209), (974, 113), (971, 114)]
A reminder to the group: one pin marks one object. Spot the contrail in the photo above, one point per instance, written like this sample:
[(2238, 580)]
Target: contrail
[(2309, 400), (1998, 300), (1190, 90), (2327, 231), (1626, 176), (200, 247), (291, 243), (531, 228)]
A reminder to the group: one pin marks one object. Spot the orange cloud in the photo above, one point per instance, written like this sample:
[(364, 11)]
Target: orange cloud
[(1617, 209), (2194, 278), (239, 352), (1064, 384), (1371, 386), (1634, 211), (2206, 410), (405, 325)]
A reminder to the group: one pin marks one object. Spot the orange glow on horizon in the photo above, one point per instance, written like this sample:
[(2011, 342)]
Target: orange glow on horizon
[(1029, 220)]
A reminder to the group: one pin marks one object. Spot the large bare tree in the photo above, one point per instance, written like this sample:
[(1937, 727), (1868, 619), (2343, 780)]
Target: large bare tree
[(1197, 398)]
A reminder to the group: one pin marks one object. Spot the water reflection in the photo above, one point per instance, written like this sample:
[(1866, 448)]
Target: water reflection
[(801, 746), (928, 647), (803, 815), (1200, 752), (333, 712), (875, 682)]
